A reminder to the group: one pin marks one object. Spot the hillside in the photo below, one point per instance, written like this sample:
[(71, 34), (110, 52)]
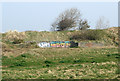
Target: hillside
[(28, 61), (107, 36), (64, 35)]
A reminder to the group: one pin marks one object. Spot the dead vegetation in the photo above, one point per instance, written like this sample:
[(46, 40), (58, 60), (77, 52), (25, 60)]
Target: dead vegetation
[(15, 36)]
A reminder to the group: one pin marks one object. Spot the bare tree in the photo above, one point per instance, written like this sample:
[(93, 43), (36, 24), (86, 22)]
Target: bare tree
[(53, 28), (68, 19), (102, 23), (83, 25)]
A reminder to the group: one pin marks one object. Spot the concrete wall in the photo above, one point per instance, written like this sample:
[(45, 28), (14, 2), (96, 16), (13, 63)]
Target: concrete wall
[(55, 44), (92, 44)]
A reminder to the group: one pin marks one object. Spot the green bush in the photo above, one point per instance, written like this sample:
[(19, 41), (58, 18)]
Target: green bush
[(89, 35)]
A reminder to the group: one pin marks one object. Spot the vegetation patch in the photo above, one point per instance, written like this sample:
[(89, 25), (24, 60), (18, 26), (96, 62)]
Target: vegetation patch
[(26, 61)]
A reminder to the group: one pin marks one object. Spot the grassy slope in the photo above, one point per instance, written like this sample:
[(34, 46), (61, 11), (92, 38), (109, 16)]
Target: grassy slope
[(77, 63), (107, 35), (62, 63), (65, 35)]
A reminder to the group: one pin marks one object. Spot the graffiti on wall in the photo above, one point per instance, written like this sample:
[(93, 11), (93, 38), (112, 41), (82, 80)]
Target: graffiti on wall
[(44, 44), (60, 44), (55, 44)]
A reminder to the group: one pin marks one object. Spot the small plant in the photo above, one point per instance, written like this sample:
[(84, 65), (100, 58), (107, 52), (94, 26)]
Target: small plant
[(61, 62), (48, 62), (47, 65), (77, 61), (23, 55), (19, 63)]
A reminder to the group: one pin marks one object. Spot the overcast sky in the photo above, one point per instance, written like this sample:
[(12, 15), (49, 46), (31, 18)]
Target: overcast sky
[(39, 16)]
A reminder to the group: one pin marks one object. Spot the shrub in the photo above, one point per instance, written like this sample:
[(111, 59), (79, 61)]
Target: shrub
[(28, 45), (19, 63), (88, 35), (48, 62), (15, 37)]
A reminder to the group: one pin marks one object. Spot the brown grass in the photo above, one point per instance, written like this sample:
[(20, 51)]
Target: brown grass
[(15, 36)]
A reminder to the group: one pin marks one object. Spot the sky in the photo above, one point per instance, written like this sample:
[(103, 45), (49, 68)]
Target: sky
[(119, 15), (38, 16)]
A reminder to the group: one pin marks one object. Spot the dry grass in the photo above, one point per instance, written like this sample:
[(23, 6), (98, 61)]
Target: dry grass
[(15, 36), (74, 71), (63, 63)]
